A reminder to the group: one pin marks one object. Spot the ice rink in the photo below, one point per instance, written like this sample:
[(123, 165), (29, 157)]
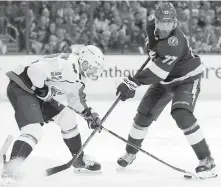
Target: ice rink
[(164, 140)]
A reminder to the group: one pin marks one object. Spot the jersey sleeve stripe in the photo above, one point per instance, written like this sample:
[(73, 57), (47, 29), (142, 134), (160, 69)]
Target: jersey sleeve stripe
[(193, 73), (158, 71)]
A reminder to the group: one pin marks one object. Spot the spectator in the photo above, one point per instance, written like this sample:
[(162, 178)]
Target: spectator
[(201, 18), (59, 21), (51, 46), (53, 11), (209, 32), (125, 13), (52, 28), (72, 34), (183, 23), (101, 23), (39, 35), (207, 10), (135, 37), (46, 14), (84, 18), (69, 16), (3, 48), (117, 24), (198, 41), (109, 12), (217, 47), (2, 20), (104, 41), (50, 31), (140, 23), (136, 7), (62, 43)]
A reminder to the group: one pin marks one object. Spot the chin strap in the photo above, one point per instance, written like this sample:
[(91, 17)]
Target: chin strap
[(175, 23)]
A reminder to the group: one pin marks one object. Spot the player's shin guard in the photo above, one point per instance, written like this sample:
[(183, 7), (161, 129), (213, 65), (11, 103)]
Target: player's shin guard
[(21, 149), (206, 167), (72, 139), (136, 136), (196, 139), (23, 146)]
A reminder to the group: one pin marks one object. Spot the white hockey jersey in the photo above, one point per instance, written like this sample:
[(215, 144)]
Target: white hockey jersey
[(62, 72)]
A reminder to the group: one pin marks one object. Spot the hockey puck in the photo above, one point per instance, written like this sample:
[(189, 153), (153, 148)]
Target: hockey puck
[(188, 177)]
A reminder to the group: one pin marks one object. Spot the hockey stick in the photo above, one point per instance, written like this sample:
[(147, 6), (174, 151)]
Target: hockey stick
[(60, 168), (135, 146), (5, 147), (149, 154), (57, 169)]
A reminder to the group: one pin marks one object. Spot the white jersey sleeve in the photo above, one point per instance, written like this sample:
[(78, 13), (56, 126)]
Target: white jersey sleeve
[(37, 73), (62, 72)]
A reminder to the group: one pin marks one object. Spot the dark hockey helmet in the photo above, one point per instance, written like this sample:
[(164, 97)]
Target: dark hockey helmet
[(165, 11)]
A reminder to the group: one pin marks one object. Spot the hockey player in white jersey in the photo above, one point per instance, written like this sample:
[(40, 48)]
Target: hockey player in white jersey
[(31, 91)]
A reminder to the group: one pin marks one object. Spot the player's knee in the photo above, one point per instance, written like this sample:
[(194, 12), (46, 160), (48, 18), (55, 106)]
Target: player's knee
[(67, 121), (31, 134), (140, 126), (183, 118), (143, 120)]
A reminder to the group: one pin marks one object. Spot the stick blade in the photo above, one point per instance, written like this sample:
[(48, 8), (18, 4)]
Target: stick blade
[(57, 169)]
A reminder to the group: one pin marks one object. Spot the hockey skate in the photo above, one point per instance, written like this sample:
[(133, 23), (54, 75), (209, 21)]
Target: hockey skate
[(126, 159), (10, 174), (206, 168), (86, 164)]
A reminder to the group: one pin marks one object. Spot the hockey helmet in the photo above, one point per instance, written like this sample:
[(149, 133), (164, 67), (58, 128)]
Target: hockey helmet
[(165, 11), (91, 60)]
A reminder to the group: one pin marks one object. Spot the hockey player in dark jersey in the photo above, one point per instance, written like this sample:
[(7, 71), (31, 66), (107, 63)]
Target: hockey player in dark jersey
[(174, 73)]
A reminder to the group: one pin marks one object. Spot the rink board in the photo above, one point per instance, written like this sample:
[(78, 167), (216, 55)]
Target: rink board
[(116, 67)]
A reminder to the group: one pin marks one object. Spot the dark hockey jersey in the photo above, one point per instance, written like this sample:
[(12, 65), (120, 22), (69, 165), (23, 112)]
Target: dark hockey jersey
[(172, 59)]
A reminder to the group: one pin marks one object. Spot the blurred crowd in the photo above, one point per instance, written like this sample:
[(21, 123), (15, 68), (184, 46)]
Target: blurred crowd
[(114, 26)]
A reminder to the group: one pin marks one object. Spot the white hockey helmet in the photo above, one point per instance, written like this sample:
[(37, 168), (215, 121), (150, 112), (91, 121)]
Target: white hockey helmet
[(91, 60)]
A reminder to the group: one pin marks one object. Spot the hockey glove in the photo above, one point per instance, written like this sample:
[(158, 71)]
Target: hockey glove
[(127, 88), (46, 93), (92, 118)]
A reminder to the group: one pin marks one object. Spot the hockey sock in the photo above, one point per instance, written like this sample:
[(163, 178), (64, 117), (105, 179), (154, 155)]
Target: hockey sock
[(136, 136), (136, 142), (197, 141), (72, 139), (20, 149)]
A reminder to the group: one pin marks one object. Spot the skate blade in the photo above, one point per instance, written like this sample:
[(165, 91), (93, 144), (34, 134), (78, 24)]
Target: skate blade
[(207, 174), (86, 171)]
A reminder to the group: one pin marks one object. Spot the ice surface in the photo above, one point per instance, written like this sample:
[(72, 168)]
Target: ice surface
[(164, 140)]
